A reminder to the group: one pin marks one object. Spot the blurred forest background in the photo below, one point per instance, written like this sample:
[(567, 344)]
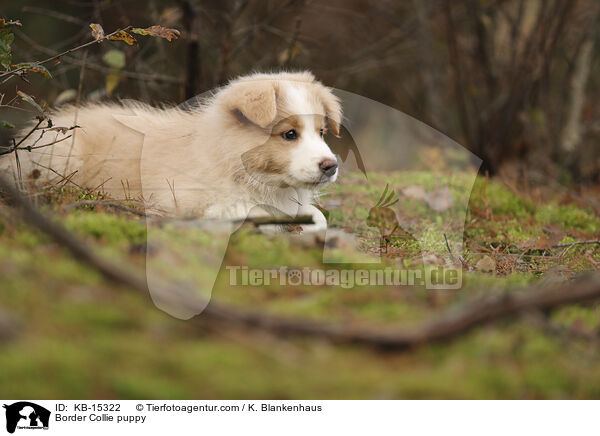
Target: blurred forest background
[(512, 80)]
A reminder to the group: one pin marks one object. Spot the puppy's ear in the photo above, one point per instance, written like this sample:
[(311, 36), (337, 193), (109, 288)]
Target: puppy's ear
[(333, 109), (254, 101)]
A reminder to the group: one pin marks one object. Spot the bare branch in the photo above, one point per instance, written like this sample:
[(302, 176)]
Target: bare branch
[(99, 68), (64, 53)]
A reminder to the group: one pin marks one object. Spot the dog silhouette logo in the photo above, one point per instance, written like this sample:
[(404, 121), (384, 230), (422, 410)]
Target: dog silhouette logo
[(26, 415)]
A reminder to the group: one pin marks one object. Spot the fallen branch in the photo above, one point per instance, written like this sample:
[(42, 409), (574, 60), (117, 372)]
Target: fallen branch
[(448, 325), (255, 221)]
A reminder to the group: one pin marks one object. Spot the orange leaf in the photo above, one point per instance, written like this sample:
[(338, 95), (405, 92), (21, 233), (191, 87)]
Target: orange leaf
[(158, 31), (125, 37)]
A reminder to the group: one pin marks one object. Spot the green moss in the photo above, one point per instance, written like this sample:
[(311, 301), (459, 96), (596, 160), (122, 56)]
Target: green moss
[(572, 315), (107, 227), (501, 200), (28, 238), (95, 341), (568, 216)]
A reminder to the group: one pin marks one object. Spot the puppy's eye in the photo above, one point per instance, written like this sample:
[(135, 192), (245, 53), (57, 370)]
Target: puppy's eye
[(322, 132), (290, 135)]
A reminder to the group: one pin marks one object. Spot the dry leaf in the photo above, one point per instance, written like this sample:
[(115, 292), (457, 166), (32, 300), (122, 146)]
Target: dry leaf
[(552, 235), (158, 31), (414, 191), (439, 200), (486, 264), (4, 22), (35, 68), (97, 31), (29, 99), (125, 37), (527, 244)]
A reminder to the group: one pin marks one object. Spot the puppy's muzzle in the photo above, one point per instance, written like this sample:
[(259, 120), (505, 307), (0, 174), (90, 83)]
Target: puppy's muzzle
[(328, 167)]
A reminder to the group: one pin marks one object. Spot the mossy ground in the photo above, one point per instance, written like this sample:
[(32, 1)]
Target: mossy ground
[(84, 337)]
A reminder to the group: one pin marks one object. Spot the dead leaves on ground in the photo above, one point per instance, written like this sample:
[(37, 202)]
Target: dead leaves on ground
[(439, 200), (486, 264)]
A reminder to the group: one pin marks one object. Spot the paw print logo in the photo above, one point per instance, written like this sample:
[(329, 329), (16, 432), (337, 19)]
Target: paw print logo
[(294, 277)]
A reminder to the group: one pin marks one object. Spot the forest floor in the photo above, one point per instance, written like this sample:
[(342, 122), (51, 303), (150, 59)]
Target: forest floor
[(81, 336)]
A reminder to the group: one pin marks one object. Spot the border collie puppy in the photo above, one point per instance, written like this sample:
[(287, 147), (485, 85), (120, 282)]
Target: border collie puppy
[(256, 147)]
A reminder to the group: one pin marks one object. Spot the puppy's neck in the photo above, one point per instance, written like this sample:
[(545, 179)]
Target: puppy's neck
[(287, 199)]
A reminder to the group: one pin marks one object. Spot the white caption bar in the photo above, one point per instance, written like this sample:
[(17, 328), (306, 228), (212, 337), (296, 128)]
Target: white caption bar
[(23, 417)]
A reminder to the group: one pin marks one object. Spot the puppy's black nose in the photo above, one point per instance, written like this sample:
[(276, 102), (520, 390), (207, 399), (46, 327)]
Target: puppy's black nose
[(328, 167)]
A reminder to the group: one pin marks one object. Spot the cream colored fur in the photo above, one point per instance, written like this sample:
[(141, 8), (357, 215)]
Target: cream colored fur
[(223, 160)]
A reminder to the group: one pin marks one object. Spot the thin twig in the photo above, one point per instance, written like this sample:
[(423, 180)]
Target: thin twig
[(91, 66), (64, 53), (113, 204), (31, 148), (570, 244), (68, 179), (63, 177), (462, 260), (54, 14)]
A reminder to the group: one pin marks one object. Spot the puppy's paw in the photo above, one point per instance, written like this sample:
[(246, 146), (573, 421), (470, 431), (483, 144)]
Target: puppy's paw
[(320, 222)]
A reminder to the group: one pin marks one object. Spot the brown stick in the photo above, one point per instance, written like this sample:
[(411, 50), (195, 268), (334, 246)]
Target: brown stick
[(275, 220), (447, 326)]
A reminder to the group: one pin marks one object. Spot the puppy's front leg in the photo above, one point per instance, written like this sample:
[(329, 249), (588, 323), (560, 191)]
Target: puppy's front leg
[(320, 222)]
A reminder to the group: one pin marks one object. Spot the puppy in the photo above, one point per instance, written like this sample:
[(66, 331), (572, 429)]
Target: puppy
[(256, 147)]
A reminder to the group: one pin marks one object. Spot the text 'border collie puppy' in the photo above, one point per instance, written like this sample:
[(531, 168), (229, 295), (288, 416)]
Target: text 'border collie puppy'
[(256, 147)]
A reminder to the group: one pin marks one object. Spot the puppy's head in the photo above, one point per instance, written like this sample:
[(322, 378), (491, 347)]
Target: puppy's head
[(291, 113)]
